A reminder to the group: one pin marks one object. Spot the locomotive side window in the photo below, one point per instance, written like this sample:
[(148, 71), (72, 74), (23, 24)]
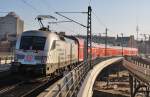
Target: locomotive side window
[(53, 45), (32, 42)]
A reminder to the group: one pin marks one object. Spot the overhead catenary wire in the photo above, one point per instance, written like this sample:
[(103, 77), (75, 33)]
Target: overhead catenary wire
[(35, 9), (31, 6), (48, 5), (59, 13), (89, 2), (100, 21), (4, 12), (66, 27)]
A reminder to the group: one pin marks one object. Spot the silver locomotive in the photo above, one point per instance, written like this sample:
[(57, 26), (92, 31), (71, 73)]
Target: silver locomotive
[(44, 52)]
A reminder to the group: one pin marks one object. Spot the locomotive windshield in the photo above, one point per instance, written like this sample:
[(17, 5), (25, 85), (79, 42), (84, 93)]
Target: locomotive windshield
[(32, 42)]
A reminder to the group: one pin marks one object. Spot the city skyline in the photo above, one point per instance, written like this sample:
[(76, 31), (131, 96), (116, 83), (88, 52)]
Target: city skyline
[(118, 16)]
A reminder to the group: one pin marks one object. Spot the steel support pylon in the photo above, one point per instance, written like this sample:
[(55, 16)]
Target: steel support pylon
[(89, 37)]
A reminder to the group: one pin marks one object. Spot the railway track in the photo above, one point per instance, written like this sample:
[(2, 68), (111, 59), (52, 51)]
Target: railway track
[(8, 81), (29, 88), (9, 88)]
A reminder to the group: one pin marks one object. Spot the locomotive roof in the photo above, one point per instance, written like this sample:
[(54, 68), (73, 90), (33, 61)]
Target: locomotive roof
[(36, 33), (47, 33)]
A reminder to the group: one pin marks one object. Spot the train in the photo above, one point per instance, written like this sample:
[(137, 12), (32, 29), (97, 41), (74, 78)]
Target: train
[(49, 53)]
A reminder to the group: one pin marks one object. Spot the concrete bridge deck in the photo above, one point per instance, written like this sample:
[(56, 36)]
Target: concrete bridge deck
[(87, 88)]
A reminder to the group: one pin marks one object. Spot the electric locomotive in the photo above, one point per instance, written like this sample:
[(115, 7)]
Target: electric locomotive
[(44, 52)]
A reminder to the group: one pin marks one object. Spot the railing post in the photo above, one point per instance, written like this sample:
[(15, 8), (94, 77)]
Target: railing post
[(131, 85), (76, 82), (72, 78), (134, 84), (145, 65), (147, 91), (137, 63), (59, 90), (67, 87), (77, 79), (5, 60), (140, 64), (0, 60)]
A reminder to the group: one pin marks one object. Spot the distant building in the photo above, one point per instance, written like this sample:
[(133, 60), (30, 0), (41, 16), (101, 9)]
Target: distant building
[(100, 39), (10, 26), (126, 41), (144, 47)]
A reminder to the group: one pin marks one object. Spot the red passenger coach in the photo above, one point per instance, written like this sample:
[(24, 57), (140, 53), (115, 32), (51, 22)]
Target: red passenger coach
[(81, 49), (99, 50)]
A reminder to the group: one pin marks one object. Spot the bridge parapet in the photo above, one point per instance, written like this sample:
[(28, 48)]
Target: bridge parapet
[(139, 76), (87, 88), (70, 84), (138, 66)]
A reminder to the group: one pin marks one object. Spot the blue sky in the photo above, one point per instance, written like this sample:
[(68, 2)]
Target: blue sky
[(119, 16)]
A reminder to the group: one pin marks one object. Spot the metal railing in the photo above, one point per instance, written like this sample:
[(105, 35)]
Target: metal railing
[(139, 66), (70, 84)]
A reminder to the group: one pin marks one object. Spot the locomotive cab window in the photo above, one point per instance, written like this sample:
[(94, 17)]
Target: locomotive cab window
[(32, 43)]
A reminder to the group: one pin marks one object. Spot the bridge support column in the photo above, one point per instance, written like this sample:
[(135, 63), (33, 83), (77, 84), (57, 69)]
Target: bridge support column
[(131, 85)]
